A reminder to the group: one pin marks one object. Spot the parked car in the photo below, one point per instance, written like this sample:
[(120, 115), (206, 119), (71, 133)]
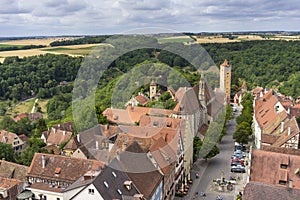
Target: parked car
[(238, 168)]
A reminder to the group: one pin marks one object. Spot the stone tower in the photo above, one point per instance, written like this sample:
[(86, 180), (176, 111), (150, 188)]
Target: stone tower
[(152, 90), (225, 79)]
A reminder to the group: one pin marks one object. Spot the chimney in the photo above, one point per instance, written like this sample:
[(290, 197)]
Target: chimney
[(58, 125), (289, 130), (78, 138), (282, 127), (288, 111), (97, 145), (54, 130), (43, 161), (290, 183), (64, 132)]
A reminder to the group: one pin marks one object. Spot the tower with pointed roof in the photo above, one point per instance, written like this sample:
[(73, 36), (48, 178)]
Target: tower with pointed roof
[(225, 79), (152, 90)]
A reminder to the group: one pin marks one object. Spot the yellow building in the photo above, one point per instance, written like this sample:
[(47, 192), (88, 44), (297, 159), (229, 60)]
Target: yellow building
[(225, 79)]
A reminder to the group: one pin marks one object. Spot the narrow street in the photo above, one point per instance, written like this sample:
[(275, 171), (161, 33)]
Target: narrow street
[(214, 168)]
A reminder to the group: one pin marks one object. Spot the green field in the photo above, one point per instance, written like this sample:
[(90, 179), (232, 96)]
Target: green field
[(66, 50), (175, 39), (10, 46)]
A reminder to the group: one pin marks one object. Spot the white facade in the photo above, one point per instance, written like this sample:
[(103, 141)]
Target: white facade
[(46, 194), (257, 133), (89, 193)]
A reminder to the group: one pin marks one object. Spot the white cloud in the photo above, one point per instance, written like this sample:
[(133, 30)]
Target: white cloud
[(58, 17)]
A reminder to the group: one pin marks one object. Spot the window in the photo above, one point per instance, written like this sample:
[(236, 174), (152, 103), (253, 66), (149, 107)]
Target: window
[(281, 182), (91, 191), (283, 166)]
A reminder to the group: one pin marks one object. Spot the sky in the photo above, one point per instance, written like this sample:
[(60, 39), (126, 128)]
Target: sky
[(97, 17)]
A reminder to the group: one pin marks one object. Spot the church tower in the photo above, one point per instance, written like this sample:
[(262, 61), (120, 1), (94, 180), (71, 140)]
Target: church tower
[(152, 90), (225, 79)]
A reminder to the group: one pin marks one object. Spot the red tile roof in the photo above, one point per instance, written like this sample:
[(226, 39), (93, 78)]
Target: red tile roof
[(261, 191), (71, 168), (132, 114), (7, 137), (8, 183), (265, 113), (13, 170), (266, 167), (58, 136), (142, 100)]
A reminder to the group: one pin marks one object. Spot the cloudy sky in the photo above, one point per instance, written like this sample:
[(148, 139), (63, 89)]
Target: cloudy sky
[(69, 17)]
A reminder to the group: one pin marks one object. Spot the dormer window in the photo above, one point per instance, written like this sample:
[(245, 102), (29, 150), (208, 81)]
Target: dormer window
[(281, 182), (91, 191), (283, 166)]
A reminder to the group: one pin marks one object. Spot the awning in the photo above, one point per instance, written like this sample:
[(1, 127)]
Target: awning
[(25, 195)]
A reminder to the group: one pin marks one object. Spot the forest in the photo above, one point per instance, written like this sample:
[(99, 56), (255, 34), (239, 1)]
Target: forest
[(84, 40), (273, 64)]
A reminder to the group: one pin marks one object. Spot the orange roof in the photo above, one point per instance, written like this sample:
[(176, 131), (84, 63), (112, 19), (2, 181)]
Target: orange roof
[(225, 63), (257, 90), (13, 170), (266, 116), (152, 83), (132, 114), (71, 168), (7, 137), (266, 167), (142, 99), (58, 136), (20, 116), (8, 183)]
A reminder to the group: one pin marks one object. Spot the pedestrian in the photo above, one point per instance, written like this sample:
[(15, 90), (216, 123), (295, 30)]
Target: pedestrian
[(197, 175)]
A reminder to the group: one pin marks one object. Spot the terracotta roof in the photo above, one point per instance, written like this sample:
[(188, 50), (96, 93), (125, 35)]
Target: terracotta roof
[(7, 137), (225, 63), (70, 168), (23, 137), (261, 191), (73, 144), (188, 103), (58, 136), (110, 130), (53, 148), (265, 113), (266, 167), (67, 126), (8, 183), (257, 90), (295, 111), (290, 130), (152, 83), (20, 116), (268, 138), (159, 122), (132, 114), (163, 155), (281, 150), (142, 99), (12, 170), (47, 187)]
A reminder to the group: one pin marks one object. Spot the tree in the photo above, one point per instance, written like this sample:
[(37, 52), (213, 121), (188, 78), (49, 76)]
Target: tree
[(197, 146), (242, 133), (7, 152), (213, 152)]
